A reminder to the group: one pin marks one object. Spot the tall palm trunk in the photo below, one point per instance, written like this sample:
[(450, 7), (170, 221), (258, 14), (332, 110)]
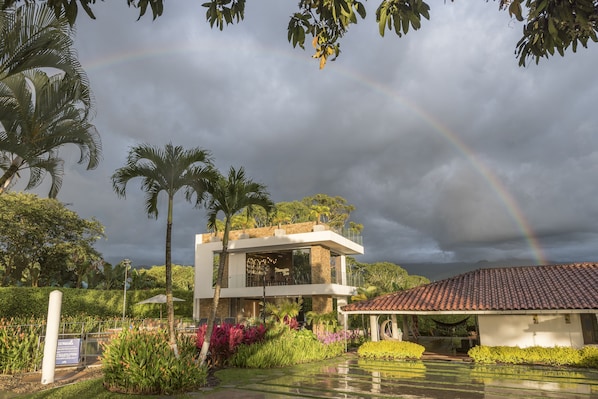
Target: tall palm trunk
[(168, 264), (222, 264), (10, 173)]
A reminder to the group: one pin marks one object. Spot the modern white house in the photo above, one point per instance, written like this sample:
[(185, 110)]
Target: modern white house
[(547, 306), (297, 261)]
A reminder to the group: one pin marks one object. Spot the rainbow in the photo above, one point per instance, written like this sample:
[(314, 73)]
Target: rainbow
[(490, 177), (455, 141)]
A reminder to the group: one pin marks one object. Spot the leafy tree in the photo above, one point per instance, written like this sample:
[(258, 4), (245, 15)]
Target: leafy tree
[(112, 276), (166, 170), (549, 26), (142, 280), (290, 212), (382, 277), (42, 242), (334, 211), (183, 277), (388, 277), (45, 113), (229, 195)]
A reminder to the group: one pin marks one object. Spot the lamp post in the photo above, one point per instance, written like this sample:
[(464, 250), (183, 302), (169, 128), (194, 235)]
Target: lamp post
[(126, 263), (264, 293)]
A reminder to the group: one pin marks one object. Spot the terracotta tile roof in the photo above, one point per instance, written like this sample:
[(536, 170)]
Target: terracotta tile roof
[(571, 286)]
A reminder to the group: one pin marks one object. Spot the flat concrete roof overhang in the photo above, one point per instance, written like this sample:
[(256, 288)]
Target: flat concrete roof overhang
[(326, 238)]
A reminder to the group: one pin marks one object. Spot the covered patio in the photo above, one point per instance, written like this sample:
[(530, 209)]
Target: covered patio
[(513, 306)]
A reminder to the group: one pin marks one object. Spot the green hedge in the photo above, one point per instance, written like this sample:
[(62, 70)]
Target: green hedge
[(554, 356), (391, 350), (33, 302)]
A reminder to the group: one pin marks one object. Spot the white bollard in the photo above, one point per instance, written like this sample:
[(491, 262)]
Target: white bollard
[(51, 340)]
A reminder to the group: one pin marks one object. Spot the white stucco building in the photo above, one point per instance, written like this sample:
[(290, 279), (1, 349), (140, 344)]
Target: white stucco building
[(304, 260)]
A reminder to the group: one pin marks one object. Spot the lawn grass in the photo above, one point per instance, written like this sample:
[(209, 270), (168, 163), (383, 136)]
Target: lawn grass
[(93, 388)]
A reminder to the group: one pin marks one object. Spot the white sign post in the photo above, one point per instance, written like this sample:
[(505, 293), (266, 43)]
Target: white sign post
[(51, 340)]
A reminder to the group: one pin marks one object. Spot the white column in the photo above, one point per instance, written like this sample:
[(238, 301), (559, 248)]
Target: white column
[(343, 261), (51, 340), (395, 326), (342, 318), (375, 328)]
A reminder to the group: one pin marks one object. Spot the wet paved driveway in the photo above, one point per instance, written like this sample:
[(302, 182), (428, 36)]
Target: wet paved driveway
[(351, 378)]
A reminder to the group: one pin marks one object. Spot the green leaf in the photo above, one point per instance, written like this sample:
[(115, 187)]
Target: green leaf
[(360, 9), (552, 28), (515, 10), (382, 21)]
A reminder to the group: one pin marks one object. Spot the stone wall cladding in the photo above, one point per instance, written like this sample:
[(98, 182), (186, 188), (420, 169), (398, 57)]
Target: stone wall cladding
[(205, 306), (320, 265), (259, 232), (321, 304)]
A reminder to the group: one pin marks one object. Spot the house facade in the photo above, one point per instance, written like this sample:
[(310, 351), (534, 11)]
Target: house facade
[(304, 261), (555, 305)]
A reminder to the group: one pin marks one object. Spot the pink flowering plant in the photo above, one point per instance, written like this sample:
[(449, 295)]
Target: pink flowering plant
[(350, 337), (226, 338)]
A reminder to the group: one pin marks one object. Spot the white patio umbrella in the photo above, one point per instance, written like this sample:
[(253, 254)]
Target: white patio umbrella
[(160, 299)]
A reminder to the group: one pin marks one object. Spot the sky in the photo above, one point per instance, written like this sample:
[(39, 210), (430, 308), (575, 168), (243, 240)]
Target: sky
[(449, 150)]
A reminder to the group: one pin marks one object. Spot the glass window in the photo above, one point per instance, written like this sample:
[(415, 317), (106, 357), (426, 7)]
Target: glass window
[(301, 272)]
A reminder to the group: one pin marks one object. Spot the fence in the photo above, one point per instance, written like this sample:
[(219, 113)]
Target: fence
[(80, 344)]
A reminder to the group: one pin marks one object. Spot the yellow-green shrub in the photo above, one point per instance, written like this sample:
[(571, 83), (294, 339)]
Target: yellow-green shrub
[(391, 350), (555, 356), (589, 357)]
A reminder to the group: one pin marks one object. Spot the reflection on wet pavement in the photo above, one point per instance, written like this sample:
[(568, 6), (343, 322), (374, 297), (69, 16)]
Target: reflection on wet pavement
[(350, 377)]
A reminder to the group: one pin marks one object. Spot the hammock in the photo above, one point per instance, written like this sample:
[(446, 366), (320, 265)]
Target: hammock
[(449, 326)]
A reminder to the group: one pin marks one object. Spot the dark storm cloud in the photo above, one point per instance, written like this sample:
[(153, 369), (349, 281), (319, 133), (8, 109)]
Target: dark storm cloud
[(421, 133)]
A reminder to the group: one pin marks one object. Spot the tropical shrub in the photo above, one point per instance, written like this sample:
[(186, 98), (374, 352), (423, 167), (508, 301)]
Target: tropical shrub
[(554, 356), (285, 348), (589, 357), (226, 338), (141, 362), (20, 347), (285, 312), (391, 350), (322, 322)]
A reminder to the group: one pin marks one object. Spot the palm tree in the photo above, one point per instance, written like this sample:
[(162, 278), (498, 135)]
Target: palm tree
[(45, 113), (318, 212), (33, 37), (166, 170), (230, 196)]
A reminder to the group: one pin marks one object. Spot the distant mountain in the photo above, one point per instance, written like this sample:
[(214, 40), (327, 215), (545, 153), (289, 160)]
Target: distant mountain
[(440, 271)]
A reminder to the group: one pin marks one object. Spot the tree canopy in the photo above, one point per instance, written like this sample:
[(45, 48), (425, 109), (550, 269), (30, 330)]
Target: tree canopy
[(549, 26), (383, 277), (43, 243), (320, 208)]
